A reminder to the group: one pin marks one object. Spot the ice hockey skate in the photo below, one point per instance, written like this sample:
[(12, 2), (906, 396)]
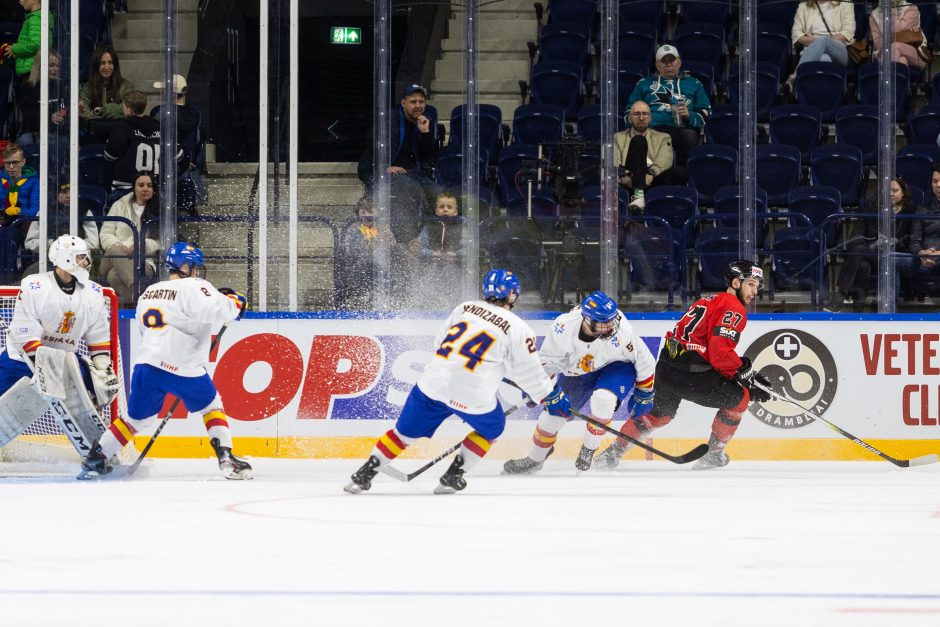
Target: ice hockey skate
[(714, 458), (94, 465), (585, 457), (526, 465), (609, 458), (231, 466), (452, 480), (362, 478)]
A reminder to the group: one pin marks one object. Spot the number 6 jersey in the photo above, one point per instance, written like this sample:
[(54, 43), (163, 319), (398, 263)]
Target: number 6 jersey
[(177, 319), (480, 344)]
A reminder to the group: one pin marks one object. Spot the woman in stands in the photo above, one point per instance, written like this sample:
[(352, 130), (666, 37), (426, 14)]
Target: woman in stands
[(27, 99), (906, 20), (101, 97), (824, 29), (117, 239)]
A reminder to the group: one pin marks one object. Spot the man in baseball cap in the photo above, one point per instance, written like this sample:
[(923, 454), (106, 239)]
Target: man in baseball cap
[(414, 89), (677, 101), (179, 85)]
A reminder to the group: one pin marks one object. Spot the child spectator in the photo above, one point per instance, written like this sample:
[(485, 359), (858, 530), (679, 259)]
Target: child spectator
[(19, 186), (358, 249), (140, 206), (27, 44), (441, 235), (100, 100)]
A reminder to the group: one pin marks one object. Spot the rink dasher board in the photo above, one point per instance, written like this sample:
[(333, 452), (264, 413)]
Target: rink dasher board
[(325, 385)]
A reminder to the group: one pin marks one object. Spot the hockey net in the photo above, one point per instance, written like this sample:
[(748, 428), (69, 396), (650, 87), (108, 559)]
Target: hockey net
[(44, 441)]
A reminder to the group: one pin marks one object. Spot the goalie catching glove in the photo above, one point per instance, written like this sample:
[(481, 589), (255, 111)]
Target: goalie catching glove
[(240, 299), (103, 378), (747, 377)]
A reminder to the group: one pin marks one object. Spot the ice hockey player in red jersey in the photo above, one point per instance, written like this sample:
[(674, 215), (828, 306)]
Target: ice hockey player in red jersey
[(698, 363)]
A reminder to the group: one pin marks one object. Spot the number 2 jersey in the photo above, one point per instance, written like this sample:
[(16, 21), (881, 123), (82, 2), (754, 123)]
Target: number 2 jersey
[(708, 334), (480, 344), (177, 319), (564, 351), (45, 315)]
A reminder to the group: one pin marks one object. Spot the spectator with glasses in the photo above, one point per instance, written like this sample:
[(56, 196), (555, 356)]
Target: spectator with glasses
[(646, 156), (19, 186)]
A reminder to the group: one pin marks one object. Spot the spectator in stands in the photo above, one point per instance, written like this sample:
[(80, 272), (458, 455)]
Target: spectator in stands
[(28, 104), (101, 98), (646, 156), (190, 188), (413, 154), (906, 18), (441, 236), (925, 239), (140, 206), (187, 117), (358, 246), (27, 44), (677, 100), (823, 29), (58, 224), (19, 187), (134, 143), (861, 249)]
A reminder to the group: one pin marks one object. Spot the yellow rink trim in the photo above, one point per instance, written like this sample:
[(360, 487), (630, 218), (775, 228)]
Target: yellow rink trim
[(356, 447)]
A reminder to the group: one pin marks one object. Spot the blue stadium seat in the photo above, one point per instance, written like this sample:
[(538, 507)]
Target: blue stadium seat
[(768, 84), (928, 19), (822, 85), (776, 15), (816, 202), (448, 171), (716, 12), (711, 166), (674, 204), (643, 12), (538, 123), (925, 126), (560, 41), (796, 125), (774, 47), (702, 42), (868, 85), (714, 250), (723, 126), (778, 170), (728, 205), (704, 72), (857, 125), (589, 123), (509, 166), (489, 123), (795, 255), (93, 169), (92, 198), (838, 166), (652, 256), (557, 83), (914, 164), (573, 11), (628, 75), (544, 205), (636, 44)]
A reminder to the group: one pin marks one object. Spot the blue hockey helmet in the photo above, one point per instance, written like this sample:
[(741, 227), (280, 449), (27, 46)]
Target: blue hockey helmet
[(600, 309), (182, 255), (499, 284)]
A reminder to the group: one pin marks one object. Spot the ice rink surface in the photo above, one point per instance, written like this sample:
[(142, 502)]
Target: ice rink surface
[(753, 544)]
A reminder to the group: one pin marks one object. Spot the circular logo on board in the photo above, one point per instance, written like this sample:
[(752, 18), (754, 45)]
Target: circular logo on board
[(799, 365)]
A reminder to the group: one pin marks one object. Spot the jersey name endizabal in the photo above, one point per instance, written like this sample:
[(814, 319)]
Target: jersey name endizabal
[(563, 351), (177, 319), (45, 315), (479, 344)]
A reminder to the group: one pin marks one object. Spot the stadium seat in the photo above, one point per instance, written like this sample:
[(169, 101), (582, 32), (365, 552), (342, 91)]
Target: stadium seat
[(704, 72), (857, 125), (700, 41), (636, 44), (728, 205), (822, 85), (778, 170), (768, 84), (93, 169), (557, 83), (776, 15), (796, 125), (816, 202), (573, 11), (711, 166), (489, 122), (544, 205), (868, 85), (648, 12), (774, 47), (589, 123), (915, 165), (628, 76), (538, 123), (716, 12), (92, 198), (714, 250), (840, 167), (651, 254), (723, 126), (560, 41), (674, 204), (510, 165), (925, 126), (794, 259), (448, 171)]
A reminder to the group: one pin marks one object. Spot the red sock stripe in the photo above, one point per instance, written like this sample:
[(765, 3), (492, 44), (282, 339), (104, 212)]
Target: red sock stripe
[(395, 439), (118, 435), (542, 439), (597, 430), (384, 450), (645, 383), (216, 422), (477, 445)]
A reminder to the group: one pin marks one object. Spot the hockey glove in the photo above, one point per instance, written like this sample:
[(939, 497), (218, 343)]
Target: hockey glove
[(759, 394), (104, 380), (641, 403), (744, 372), (557, 403), (240, 299)]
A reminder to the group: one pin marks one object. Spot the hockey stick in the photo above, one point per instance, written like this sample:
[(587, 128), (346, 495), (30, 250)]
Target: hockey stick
[(685, 458), (394, 473), (902, 463), (140, 458)]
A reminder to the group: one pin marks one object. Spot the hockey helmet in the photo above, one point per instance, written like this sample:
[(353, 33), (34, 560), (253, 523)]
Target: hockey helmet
[(744, 269), (499, 284), (599, 308), (64, 253), (182, 255)]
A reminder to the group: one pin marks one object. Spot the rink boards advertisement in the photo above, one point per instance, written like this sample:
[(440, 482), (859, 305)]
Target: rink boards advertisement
[(327, 387)]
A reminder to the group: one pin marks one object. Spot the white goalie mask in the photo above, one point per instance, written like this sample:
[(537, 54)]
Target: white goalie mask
[(65, 252)]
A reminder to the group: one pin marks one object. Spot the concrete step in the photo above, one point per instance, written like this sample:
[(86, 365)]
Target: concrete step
[(131, 47), (486, 46), (500, 87), (151, 28), (497, 27), (451, 66), (500, 6), (136, 7)]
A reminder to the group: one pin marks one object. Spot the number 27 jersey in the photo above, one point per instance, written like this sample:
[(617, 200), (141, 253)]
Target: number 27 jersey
[(711, 329), (480, 344)]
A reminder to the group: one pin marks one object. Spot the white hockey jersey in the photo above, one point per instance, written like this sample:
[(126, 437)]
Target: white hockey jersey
[(177, 319), (46, 315), (480, 344), (563, 351)]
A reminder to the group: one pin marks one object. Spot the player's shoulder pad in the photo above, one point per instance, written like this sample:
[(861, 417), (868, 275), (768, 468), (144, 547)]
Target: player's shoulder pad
[(567, 321), (34, 282)]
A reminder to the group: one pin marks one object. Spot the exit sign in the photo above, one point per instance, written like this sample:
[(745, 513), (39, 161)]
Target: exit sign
[(346, 35)]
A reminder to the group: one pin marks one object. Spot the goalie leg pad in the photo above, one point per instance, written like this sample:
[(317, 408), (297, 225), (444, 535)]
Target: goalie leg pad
[(51, 372), (76, 413), (20, 406)]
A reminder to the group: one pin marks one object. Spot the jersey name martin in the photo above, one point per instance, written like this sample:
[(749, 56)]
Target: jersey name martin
[(160, 294), (488, 316)]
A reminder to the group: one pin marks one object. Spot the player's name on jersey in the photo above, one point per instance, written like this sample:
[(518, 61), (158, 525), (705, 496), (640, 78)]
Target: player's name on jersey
[(160, 294), (488, 316)]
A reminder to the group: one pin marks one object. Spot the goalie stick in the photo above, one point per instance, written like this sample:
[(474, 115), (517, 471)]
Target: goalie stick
[(696, 453), (395, 473), (901, 463), (140, 458)]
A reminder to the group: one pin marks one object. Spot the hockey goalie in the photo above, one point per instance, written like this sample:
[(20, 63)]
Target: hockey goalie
[(40, 367)]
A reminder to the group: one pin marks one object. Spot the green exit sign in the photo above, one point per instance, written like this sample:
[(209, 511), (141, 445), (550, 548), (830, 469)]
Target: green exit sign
[(346, 35)]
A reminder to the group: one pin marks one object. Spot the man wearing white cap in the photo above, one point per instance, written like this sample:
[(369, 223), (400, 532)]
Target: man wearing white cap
[(677, 101), (187, 118)]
